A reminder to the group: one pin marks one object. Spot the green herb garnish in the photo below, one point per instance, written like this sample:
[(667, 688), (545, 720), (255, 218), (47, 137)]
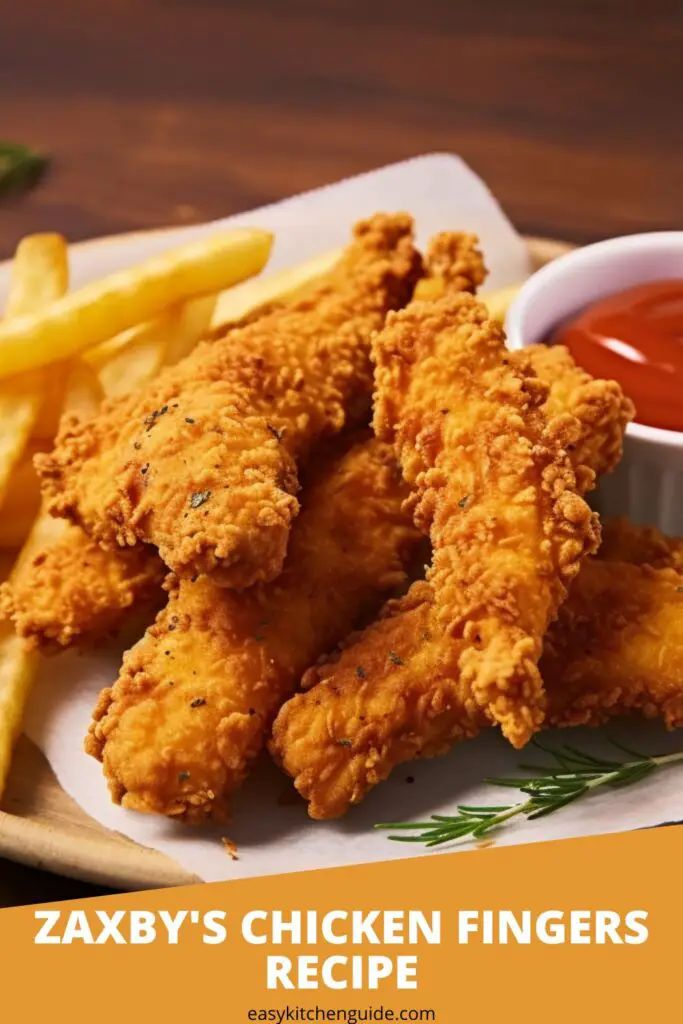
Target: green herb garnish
[(198, 498), (571, 775), (153, 416), (20, 167)]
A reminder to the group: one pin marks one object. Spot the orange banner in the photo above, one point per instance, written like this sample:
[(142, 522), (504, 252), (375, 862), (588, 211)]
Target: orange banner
[(548, 931)]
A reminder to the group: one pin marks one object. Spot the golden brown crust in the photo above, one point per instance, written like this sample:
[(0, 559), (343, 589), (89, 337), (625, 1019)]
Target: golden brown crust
[(392, 695), (599, 407), (203, 464), (179, 729), (453, 263), (74, 592), (617, 646), (493, 487), (393, 712), (623, 541)]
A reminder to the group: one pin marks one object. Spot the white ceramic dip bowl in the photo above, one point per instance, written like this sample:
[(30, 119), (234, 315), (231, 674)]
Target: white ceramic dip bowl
[(647, 486)]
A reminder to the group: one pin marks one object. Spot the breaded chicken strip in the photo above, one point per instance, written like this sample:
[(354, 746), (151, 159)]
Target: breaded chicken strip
[(72, 590), (599, 407), (495, 489), (453, 263), (623, 541), (396, 691), (395, 694), (617, 646), (84, 591), (203, 463), (196, 696)]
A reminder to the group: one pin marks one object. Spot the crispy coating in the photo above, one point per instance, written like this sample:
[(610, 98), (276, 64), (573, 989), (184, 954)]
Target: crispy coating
[(73, 591), (600, 408), (453, 263), (623, 541), (617, 646), (396, 692), (494, 488), (196, 696), (203, 463)]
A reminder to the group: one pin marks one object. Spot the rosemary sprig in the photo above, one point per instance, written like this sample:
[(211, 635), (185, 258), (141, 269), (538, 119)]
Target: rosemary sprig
[(20, 167), (572, 774)]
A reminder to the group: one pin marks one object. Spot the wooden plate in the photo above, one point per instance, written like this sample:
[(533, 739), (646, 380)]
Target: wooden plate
[(40, 825)]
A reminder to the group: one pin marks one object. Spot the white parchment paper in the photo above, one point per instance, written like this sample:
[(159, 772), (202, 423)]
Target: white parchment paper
[(271, 828)]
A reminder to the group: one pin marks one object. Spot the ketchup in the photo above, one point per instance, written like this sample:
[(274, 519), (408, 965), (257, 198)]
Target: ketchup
[(635, 337)]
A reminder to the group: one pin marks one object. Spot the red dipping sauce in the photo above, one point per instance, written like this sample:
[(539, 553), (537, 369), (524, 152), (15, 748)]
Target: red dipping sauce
[(635, 337)]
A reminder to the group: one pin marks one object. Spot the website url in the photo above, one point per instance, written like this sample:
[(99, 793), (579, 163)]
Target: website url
[(357, 1016)]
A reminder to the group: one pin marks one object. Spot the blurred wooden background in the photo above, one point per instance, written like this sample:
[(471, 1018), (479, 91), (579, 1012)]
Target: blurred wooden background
[(173, 111)]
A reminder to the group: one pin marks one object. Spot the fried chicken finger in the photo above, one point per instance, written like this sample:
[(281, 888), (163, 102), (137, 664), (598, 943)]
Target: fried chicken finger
[(72, 591), (196, 696), (395, 692), (203, 463), (617, 646), (496, 490), (623, 541)]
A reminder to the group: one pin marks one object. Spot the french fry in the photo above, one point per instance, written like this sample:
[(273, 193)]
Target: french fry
[(499, 302), (7, 559), (21, 502), (116, 303), (83, 393), (17, 665), (137, 361), (188, 327), (134, 357), (17, 671), (429, 289), (39, 270), (54, 381), (235, 303), (39, 276), (18, 412), (45, 530)]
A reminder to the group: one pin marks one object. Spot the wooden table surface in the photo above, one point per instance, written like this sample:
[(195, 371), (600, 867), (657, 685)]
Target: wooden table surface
[(174, 111)]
